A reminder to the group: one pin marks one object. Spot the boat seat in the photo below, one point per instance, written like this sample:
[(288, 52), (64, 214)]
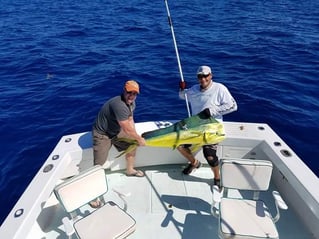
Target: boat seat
[(242, 217), (108, 221)]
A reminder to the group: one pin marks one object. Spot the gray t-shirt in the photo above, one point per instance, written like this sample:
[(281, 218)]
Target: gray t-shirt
[(112, 111)]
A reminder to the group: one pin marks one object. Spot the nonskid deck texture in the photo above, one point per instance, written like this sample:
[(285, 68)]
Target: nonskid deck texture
[(167, 204)]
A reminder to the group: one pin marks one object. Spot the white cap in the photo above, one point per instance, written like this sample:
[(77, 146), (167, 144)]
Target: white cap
[(204, 70)]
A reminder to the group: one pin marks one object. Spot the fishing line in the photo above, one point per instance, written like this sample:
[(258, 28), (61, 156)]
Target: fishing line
[(177, 55)]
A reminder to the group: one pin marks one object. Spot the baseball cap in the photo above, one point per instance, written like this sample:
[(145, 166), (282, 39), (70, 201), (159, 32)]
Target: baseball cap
[(132, 85), (204, 70)]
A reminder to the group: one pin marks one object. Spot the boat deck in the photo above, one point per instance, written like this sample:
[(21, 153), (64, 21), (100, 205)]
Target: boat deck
[(165, 204)]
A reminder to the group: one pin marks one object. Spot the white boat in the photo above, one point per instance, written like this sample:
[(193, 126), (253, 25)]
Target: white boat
[(165, 203)]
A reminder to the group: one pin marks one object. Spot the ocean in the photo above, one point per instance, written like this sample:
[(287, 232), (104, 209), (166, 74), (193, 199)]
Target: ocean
[(61, 60)]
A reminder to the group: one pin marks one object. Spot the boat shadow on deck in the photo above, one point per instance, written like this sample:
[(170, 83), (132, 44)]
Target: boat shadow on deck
[(180, 204)]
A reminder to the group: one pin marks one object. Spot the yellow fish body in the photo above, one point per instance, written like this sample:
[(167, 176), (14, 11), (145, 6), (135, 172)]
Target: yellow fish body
[(211, 133), (197, 130)]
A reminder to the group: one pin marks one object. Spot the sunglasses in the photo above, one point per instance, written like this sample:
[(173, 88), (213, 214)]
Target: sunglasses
[(202, 76), (132, 93)]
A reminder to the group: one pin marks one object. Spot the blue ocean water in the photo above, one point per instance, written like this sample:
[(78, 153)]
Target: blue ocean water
[(60, 60)]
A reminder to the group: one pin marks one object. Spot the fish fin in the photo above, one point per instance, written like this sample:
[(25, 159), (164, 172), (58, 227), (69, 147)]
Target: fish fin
[(178, 134)]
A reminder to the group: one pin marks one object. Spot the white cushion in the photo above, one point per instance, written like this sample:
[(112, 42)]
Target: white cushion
[(248, 174), (241, 218), (82, 188), (110, 221)]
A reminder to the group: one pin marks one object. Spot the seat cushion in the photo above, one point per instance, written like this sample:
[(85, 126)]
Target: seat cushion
[(82, 188), (249, 174), (241, 218), (109, 221)]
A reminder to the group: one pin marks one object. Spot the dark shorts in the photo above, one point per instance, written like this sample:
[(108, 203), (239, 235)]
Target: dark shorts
[(120, 145), (208, 150)]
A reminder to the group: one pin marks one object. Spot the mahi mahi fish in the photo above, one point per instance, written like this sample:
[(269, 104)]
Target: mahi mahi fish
[(197, 130)]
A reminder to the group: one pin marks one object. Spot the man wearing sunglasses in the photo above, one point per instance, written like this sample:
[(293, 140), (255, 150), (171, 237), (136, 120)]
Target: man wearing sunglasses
[(115, 119), (217, 101)]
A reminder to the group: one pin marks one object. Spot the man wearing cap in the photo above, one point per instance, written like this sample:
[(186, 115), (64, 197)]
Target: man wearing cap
[(217, 101), (115, 119)]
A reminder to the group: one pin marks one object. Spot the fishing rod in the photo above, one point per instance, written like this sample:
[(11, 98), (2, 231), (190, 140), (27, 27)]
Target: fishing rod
[(177, 55)]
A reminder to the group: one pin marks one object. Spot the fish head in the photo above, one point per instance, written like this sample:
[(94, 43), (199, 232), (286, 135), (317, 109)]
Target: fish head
[(214, 135)]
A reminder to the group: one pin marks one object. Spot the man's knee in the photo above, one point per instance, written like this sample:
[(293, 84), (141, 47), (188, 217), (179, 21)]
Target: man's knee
[(180, 148), (210, 154), (184, 148), (212, 161)]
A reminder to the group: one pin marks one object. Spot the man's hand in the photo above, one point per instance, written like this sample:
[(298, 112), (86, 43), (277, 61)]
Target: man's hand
[(141, 142), (182, 85)]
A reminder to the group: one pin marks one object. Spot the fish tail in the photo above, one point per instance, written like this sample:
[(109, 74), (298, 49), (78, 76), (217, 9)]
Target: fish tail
[(131, 142), (128, 150)]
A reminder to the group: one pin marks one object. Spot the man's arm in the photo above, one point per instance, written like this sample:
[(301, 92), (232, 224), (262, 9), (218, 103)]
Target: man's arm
[(128, 126)]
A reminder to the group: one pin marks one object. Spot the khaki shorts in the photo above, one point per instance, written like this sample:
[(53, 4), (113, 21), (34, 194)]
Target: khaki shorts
[(102, 145)]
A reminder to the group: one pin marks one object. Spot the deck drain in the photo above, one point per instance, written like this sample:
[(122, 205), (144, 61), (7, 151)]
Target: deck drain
[(261, 128), (55, 157), (19, 212), (277, 143), (48, 168), (285, 153)]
